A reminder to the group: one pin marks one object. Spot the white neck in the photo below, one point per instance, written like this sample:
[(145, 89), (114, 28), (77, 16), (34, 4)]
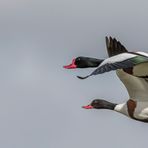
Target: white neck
[(122, 108)]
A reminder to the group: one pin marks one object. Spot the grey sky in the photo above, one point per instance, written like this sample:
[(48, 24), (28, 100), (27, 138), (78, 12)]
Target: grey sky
[(40, 105)]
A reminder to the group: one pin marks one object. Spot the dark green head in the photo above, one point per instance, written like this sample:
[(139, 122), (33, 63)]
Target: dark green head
[(84, 62), (100, 104)]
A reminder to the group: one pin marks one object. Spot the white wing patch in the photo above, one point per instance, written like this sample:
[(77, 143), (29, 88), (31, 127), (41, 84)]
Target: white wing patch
[(142, 53), (118, 58)]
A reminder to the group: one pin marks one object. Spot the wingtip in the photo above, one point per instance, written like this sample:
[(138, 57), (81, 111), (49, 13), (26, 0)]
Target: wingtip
[(110, 38), (82, 78)]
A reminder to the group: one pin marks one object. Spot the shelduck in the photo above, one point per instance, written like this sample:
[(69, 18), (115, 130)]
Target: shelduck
[(132, 70)]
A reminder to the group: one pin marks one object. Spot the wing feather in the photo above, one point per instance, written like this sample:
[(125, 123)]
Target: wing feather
[(114, 47)]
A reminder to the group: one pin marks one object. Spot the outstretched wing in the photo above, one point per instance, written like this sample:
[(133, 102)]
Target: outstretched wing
[(120, 61), (114, 47), (137, 87)]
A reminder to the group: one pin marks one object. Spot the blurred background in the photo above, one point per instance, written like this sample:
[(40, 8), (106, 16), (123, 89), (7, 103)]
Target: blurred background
[(40, 102)]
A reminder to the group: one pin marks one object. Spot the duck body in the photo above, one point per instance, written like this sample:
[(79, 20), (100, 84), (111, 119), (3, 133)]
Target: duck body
[(134, 109), (137, 106)]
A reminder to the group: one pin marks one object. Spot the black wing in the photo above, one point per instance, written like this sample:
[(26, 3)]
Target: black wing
[(114, 47)]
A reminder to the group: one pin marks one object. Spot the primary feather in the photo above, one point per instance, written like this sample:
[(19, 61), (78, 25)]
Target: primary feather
[(114, 47)]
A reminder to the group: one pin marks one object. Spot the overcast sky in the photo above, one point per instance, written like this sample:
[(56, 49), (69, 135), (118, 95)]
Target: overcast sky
[(40, 102)]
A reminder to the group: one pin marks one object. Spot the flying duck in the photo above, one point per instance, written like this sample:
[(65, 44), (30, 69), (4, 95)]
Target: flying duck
[(114, 47), (132, 70)]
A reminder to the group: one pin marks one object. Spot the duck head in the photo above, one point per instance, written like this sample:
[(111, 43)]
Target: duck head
[(100, 104), (83, 62)]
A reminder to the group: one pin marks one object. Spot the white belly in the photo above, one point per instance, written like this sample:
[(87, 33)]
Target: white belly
[(141, 110)]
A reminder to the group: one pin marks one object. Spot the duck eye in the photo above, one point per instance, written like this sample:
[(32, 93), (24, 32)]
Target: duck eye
[(95, 101), (78, 59)]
